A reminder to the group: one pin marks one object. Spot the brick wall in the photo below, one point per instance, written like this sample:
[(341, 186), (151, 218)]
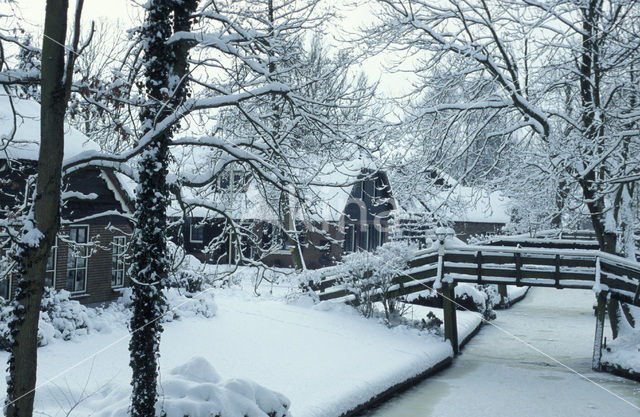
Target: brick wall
[(99, 265)]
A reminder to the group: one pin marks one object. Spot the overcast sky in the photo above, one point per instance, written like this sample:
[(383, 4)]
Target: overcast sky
[(129, 12)]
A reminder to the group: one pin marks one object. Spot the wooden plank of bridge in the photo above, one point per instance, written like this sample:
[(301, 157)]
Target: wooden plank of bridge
[(596, 363), (447, 293)]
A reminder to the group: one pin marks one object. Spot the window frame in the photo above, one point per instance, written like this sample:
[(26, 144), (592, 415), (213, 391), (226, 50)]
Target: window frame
[(54, 271), (84, 256), (6, 292), (364, 230), (192, 226), (118, 263)]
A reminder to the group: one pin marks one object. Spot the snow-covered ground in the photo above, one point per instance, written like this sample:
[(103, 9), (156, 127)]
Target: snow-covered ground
[(624, 352), (326, 358), (499, 375), (514, 293)]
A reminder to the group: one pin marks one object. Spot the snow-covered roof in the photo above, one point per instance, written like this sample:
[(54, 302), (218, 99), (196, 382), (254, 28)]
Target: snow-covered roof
[(452, 202), (325, 196), (329, 193), (25, 143)]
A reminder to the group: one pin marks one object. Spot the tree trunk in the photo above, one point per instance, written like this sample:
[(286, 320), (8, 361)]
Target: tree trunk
[(165, 68), (44, 218)]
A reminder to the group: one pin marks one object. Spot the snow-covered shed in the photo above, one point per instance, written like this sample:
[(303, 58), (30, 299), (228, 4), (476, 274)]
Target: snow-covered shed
[(431, 199), (95, 215)]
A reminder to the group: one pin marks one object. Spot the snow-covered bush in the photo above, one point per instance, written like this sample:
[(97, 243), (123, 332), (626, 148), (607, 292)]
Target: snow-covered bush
[(67, 317), (5, 316), (185, 305), (195, 389), (188, 280), (471, 297), (370, 276), (181, 304)]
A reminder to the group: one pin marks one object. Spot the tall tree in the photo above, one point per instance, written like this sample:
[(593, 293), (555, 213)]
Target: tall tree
[(561, 74), (165, 68), (43, 221)]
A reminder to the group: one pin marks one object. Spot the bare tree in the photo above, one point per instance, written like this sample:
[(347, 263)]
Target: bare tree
[(42, 223), (561, 72)]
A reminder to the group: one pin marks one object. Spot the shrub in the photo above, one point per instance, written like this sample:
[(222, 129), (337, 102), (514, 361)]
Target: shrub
[(370, 276)]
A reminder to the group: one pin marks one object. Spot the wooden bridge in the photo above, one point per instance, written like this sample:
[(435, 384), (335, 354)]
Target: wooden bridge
[(507, 261)]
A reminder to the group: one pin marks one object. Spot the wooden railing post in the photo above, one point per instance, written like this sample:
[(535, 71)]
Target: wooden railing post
[(518, 261), (596, 363), (556, 272), (504, 296), (449, 310)]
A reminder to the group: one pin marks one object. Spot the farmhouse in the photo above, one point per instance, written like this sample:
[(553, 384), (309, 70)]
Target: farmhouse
[(89, 257), (351, 211), (355, 209)]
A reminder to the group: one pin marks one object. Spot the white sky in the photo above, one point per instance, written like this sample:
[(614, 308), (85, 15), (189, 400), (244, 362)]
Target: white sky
[(128, 11)]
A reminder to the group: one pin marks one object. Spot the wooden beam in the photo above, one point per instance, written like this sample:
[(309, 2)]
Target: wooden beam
[(596, 363), (479, 261), (557, 271), (504, 296), (447, 293), (518, 262)]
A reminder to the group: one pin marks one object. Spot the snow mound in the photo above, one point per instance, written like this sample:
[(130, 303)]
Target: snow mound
[(195, 389)]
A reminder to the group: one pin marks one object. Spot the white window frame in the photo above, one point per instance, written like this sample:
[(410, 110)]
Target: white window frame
[(118, 264), (8, 279), (75, 268), (351, 230), (191, 227), (364, 229), (53, 249)]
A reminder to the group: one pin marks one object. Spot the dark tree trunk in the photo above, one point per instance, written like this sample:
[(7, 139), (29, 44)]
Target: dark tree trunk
[(150, 265), (590, 73), (45, 217)]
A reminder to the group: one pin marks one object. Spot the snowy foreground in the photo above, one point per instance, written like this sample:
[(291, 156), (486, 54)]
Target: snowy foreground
[(326, 359)]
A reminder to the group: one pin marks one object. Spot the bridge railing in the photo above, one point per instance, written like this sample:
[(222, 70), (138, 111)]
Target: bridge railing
[(542, 267)]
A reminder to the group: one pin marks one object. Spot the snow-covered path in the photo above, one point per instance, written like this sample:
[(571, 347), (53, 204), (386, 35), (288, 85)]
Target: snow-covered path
[(497, 375)]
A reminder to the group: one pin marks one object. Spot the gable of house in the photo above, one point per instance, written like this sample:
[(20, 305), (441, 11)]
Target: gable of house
[(95, 214)]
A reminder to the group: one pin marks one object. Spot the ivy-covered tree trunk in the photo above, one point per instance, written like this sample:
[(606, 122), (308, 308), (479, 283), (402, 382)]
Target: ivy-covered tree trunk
[(165, 67), (43, 221)]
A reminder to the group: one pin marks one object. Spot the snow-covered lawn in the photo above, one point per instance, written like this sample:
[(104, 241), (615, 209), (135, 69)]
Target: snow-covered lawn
[(325, 358)]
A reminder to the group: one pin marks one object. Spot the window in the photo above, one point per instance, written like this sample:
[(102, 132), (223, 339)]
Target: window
[(364, 237), (50, 270), (378, 188), (77, 259), (233, 180), (362, 190), (117, 261), (196, 233), (350, 238), (5, 284)]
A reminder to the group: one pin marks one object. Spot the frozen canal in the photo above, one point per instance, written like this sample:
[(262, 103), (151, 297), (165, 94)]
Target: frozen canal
[(497, 375)]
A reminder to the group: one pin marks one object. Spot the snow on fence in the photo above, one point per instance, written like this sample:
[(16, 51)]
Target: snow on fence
[(542, 267)]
